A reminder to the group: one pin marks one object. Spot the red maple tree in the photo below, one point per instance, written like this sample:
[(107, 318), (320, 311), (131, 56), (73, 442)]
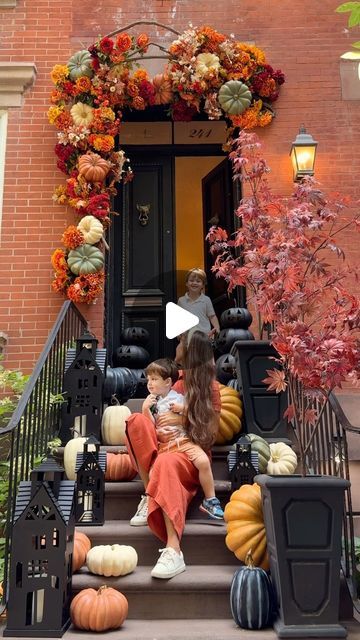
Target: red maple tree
[(287, 254)]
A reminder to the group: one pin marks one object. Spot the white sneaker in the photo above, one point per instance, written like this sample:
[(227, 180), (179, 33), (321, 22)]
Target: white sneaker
[(169, 564), (140, 517)]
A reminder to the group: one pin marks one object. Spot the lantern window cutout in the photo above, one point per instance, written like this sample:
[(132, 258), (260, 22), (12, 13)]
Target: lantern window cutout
[(90, 484), (82, 388), (243, 464), (41, 555)]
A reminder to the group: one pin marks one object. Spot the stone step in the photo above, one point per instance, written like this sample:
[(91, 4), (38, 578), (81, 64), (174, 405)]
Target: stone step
[(122, 498), (201, 544), (199, 592)]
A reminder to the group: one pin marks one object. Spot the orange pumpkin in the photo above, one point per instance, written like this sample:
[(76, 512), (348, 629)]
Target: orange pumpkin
[(100, 610), (119, 467), (93, 167), (82, 545), (163, 89), (245, 525)]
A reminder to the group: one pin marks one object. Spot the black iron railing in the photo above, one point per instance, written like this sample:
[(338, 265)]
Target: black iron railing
[(35, 420)]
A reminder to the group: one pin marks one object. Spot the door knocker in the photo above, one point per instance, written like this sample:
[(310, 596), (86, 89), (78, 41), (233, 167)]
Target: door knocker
[(144, 210)]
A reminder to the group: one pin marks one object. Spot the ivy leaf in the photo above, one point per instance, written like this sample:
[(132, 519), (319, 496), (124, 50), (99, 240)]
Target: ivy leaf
[(356, 44), (276, 380), (354, 17), (347, 6)]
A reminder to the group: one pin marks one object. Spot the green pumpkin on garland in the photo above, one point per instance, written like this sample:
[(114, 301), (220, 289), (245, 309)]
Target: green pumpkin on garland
[(234, 97), (80, 65), (85, 259)]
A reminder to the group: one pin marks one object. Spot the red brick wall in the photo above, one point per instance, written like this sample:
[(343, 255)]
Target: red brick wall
[(304, 39)]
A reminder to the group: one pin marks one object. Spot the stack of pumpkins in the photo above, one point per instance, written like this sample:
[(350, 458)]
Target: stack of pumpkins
[(127, 379), (234, 324), (105, 608)]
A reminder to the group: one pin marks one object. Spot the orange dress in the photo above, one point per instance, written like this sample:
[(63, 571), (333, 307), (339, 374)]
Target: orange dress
[(174, 480)]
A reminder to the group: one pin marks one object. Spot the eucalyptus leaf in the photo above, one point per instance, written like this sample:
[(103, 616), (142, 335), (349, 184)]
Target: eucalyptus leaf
[(354, 18)]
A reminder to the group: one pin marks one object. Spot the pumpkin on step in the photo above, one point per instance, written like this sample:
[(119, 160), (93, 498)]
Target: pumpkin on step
[(283, 459), (119, 467), (111, 560), (82, 545), (245, 525), (230, 415), (252, 599), (114, 422), (71, 449), (262, 448), (100, 610)]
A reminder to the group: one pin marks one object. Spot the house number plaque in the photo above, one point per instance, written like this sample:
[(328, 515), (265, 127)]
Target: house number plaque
[(204, 132)]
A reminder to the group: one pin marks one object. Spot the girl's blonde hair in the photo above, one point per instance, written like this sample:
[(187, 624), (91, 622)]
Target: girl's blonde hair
[(197, 272)]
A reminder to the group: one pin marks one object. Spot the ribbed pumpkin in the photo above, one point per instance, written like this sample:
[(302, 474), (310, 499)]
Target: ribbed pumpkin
[(262, 448), (283, 459), (82, 545), (113, 423), (163, 89), (93, 167), (71, 449), (100, 610), (252, 599), (245, 525), (80, 65), (85, 259), (234, 97), (119, 467), (230, 415), (91, 228), (112, 560)]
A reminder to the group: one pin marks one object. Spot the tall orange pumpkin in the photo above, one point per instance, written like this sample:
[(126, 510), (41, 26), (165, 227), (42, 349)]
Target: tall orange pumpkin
[(119, 467), (93, 167), (100, 610), (82, 545), (163, 89)]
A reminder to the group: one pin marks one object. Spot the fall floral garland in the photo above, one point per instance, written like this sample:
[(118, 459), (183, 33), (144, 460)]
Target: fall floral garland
[(206, 72)]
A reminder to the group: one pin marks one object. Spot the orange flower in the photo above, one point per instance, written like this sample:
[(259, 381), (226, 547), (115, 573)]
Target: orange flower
[(72, 237), (143, 42), (117, 56), (83, 84), (58, 260), (64, 121), (140, 74), (265, 118), (86, 288), (132, 89), (60, 284), (102, 142), (123, 42), (139, 103)]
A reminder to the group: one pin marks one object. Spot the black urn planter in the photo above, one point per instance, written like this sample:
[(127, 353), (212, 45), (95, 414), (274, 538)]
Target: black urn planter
[(303, 521)]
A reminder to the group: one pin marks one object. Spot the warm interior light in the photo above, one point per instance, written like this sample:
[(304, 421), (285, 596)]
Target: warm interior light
[(303, 153)]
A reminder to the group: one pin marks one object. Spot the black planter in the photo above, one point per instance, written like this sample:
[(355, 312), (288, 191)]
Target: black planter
[(303, 521)]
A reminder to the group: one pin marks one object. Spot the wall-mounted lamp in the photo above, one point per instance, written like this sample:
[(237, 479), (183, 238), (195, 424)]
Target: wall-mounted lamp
[(303, 151)]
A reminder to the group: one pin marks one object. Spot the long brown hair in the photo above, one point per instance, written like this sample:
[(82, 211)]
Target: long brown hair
[(201, 421)]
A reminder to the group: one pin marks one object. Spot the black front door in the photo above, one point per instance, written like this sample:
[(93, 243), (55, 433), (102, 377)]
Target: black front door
[(141, 258)]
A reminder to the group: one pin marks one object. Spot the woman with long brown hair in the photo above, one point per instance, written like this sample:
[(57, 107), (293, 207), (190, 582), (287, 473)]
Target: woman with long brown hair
[(170, 478)]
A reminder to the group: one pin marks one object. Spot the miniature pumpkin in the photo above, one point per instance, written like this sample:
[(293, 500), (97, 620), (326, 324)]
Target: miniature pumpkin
[(82, 114), (80, 65), (82, 545), (100, 610), (234, 97), (119, 467), (262, 448), (71, 449), (112, 560), (91, 228), (85, 259), (252, 597), (230, 415), (283, 459), (163, 89), (245, 525), (114, 422), (93, 167)]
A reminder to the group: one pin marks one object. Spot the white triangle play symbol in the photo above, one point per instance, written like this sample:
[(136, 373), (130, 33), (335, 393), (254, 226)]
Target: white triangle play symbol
[(178, 320)]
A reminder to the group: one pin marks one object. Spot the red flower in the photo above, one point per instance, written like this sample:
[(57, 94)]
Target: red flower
[(99, 206), (147, 91), (183, 112), (106, 45)]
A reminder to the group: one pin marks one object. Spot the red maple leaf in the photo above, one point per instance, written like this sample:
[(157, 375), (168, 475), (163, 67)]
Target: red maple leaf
[(276, 380)]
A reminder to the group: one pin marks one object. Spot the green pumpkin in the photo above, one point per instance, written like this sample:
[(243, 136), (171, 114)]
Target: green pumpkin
[(85, 259), (260, 445), (234, 97), (80, 65)]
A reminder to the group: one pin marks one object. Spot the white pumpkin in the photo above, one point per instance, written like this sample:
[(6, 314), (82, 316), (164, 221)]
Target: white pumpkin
[(111, 560), (283, 459), (91, 228), (71, 449), (113, 424)]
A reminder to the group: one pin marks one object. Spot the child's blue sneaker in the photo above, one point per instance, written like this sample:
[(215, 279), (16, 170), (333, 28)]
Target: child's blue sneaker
[(213, 508)]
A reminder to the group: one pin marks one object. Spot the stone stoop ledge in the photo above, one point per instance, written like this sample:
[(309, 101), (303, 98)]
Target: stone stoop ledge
[(15, 78)]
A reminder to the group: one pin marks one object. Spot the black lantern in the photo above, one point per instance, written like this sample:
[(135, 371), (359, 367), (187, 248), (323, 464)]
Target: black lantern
[(243, 464), (303, 152), (41, 555), (82, 387), (90, 484)]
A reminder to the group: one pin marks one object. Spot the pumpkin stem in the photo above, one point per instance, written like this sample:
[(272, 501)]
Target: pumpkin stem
[(101, 589), (105, 244), (249, 562), (75, 431), (114, 400)]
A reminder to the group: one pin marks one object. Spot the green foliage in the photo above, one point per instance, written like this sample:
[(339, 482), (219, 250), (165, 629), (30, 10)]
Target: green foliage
[(354, 20), (12, 382)]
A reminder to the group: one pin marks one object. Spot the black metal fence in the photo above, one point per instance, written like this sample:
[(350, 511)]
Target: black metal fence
[(35, 420)]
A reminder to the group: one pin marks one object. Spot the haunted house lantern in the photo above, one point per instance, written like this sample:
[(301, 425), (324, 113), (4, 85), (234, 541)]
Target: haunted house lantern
[(41, 555), (90, 484), (82, 387), (243, 464)]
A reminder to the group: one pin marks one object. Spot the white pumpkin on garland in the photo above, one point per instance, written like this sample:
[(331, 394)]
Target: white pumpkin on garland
[(283, 460), (114, 422), (112, 559)]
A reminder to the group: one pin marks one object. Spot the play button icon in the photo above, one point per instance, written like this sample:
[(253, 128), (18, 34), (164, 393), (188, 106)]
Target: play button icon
[(178, 320)]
